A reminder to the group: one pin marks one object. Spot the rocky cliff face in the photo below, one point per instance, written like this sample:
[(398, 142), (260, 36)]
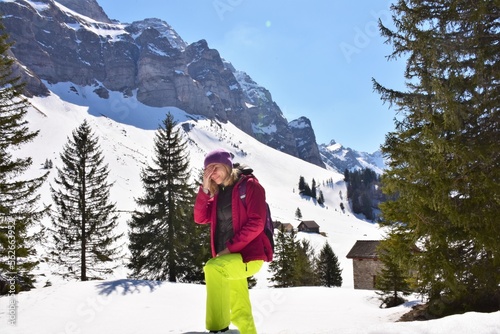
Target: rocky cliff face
[(74, 41), (305, 140)]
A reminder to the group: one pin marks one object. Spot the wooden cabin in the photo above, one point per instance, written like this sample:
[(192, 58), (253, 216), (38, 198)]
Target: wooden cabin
[(309, 226)]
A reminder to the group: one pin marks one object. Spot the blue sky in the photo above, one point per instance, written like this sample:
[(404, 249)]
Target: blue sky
[(316, 58)]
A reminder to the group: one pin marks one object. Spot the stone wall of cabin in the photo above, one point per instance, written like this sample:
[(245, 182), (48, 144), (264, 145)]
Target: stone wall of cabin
[(365, 271)]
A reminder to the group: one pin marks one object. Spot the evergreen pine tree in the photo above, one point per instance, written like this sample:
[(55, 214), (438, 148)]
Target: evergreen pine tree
[(313, 189), (304, 188), (298, 213), (302, 184), (328, 267), (285, 255), (394, 279), (84, 219), (443, 156), (19, 213), (321, 198), (194, 252), (304, 274), (161, 235)]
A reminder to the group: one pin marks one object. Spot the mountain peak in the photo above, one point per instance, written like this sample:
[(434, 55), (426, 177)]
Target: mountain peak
[(305, 140), (163, 28), (341, 158), (89, 8), (301, 122)]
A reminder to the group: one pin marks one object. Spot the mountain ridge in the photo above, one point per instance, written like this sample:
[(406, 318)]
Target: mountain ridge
[(341, 158), (146, 59)]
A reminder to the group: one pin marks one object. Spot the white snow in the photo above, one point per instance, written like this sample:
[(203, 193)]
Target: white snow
[(119, 305), (126, 306), (269, 129), (334, 147), (39, 6), (299, 124)]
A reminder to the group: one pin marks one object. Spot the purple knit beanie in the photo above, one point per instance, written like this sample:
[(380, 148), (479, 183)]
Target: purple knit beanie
[(218, 156)]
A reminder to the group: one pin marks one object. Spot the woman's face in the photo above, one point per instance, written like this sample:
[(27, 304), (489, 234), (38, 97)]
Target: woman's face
[(217, 172)]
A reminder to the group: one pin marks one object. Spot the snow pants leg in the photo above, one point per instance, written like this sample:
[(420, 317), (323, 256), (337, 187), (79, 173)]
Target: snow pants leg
[(228, 299)]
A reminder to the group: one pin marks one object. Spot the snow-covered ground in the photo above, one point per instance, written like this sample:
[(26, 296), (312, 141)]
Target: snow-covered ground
[(122, 306), (145, 307)]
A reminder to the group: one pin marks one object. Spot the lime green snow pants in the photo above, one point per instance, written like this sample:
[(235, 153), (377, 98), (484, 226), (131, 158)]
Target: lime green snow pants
[(228, 300)]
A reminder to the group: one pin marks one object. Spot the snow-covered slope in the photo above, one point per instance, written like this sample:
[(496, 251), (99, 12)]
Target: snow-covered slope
[(128, 148), (122, 306)]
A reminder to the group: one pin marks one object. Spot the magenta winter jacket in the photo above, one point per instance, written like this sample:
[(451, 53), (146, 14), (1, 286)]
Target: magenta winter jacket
[(249, 238)]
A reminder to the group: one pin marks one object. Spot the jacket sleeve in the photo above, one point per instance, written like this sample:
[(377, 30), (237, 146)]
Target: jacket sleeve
[(251, 216), (203, 207)]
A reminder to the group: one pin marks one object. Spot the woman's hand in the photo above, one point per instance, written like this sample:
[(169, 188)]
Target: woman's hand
[(206, 176)]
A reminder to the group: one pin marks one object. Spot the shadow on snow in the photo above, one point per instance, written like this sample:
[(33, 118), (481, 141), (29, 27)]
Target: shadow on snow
[(127, 286)]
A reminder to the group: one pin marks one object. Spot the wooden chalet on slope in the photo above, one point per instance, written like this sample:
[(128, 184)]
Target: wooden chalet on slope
[(365, 263), (308, 226)]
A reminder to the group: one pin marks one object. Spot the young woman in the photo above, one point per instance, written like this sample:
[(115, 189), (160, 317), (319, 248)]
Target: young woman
[(239, 244)]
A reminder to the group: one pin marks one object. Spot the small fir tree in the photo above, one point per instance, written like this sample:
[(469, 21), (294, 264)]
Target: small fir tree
[(321, 198), (393, 281), (304, 274), (328, 267), (298, 213), (302, 184)]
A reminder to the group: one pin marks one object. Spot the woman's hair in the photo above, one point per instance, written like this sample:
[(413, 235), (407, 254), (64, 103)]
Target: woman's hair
[(233, 175)]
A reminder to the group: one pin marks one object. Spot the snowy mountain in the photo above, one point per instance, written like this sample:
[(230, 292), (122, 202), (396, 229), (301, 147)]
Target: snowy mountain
[(70, 41), (56, 43), (341, 158)]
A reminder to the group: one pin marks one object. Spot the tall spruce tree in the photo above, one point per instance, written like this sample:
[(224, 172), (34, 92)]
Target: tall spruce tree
[(19, 211), (84, 219), (285, 256), (304, 265), (328, 267), (161, 235), (443, 156)]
